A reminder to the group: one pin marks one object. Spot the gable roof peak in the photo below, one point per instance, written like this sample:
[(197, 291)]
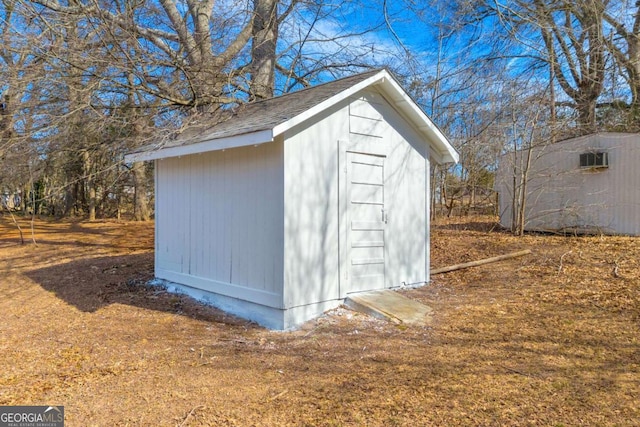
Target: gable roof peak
[(261, 121)]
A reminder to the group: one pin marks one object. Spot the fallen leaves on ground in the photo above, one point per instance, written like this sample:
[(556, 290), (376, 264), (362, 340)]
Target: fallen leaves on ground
[(551, 338)]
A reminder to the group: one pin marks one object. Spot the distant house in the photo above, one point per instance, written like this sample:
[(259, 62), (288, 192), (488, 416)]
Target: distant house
[(278, 212), (585, 184), (10, 200)]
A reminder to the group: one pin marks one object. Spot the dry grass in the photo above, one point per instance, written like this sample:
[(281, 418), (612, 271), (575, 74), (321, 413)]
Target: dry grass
[(548, 339)]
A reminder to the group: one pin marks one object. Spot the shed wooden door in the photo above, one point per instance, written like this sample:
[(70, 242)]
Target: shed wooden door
[(366, 222)]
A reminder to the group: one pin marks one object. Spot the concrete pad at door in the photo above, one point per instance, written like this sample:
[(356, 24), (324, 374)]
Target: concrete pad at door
[(390, 305)]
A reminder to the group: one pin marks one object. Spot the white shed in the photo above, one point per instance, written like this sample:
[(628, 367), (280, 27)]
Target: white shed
[(585, 184), (281, 210)]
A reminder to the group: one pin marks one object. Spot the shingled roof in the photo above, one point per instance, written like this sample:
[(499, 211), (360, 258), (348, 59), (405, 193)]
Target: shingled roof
[(261, 121)]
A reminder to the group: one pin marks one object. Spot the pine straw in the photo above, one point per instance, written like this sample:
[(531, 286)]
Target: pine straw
[(547, 339)]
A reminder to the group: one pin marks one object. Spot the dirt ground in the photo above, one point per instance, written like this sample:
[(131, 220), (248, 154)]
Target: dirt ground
[(550, 339)]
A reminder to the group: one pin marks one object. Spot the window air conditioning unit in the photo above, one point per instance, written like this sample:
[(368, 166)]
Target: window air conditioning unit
[(596, 159)]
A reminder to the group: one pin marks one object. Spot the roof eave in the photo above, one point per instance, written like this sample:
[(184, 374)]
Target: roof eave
[(439, 143), (243, 140)]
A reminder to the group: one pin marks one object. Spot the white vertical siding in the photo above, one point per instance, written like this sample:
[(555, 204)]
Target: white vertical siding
[(311, 208), (407, 197), (219, 216), (312, 187), (624, 188), (365, 117), (562, 195)]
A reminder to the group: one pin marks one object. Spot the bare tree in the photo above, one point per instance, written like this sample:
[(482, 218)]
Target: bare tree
[(192, 55), (108, 75), (20, 69), (574, 40), (624, 44)]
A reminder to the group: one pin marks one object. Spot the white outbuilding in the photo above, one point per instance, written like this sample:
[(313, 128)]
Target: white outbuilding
[(286, 206), (589, 184)]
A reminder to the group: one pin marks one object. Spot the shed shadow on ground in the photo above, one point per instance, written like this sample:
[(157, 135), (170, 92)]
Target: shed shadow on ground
[(90, 284)]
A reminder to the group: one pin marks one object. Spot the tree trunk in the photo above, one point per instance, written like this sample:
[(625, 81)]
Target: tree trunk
[(90, 185), (432, 191), (92, 200), (6, 127), (69, 200), (587, 114), (263, 48), (514, 195), (24, 200), (141, 201), (524, 179)]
